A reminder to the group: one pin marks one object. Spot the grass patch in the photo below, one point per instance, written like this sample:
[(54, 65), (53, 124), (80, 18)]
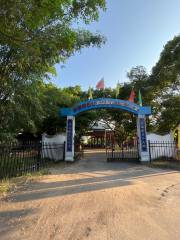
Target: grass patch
[(166, 164), (5, 186), (8, 185), (44, 171)]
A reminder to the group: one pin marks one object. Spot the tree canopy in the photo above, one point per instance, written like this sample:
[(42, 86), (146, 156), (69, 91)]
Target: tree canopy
[(35, 35)]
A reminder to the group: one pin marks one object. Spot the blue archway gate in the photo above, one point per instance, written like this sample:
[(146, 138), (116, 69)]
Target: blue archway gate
[(139, 111)]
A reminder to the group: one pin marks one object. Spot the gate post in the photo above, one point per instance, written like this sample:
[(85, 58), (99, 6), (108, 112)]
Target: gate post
[(142, 139), (70, 132), (179, 137)]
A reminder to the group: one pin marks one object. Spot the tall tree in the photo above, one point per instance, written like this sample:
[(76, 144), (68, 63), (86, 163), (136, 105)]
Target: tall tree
[(34, 35), (166, 73), (169, 117)]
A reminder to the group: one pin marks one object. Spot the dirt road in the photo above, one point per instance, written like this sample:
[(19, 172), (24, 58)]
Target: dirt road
[(96, 200)]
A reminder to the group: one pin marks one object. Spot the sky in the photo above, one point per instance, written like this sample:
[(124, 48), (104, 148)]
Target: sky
[(136, 31)]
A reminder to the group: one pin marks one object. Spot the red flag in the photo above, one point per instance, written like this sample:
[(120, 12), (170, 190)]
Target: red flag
[(100, 84), (132, 96)]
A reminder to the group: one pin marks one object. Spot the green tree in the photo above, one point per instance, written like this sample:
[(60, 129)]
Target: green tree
[(169, 117), (164, 87), (34, 35), (52, 99), (166, 73)]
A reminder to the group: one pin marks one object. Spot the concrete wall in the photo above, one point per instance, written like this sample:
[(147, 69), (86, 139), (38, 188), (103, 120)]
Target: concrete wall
[(160, 138), (53, 146), (162, 150), (58, 139)]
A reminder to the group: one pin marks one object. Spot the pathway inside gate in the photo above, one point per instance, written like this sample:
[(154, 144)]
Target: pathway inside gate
[(93, 199)]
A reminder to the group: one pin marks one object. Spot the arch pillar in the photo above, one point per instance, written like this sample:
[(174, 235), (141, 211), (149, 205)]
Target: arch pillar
[(142, 138), (179, 136), (70, 133)]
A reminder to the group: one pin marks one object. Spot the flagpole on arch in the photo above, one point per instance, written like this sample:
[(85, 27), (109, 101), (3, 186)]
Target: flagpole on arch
[(100, 85), (132, 95), (140, 98)]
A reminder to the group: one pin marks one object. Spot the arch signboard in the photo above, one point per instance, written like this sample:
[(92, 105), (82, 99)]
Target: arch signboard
[(106, 103)]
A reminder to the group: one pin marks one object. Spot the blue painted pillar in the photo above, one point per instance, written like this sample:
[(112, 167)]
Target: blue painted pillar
[(70, 132), (142, 139)]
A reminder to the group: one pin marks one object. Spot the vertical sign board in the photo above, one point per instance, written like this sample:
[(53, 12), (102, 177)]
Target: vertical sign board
[(69, 135), (143, 135)]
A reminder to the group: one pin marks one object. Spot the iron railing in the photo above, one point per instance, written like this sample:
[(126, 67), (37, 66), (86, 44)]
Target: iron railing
[(20, 158), (164, 150), (127, 152)]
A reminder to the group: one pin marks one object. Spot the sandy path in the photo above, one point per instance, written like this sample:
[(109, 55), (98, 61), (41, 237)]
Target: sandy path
[(95, 200)]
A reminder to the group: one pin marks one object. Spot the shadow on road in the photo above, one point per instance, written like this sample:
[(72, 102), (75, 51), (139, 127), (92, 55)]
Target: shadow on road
[(92, 173)]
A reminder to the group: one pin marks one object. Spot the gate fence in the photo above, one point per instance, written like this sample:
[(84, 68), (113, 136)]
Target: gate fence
[(164, 151), (17, 159), (20, 158), (124, 151)]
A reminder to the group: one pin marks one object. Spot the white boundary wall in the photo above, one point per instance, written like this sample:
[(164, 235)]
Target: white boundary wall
[(153, 137), (166, 150), (52, 146), (58, 139)]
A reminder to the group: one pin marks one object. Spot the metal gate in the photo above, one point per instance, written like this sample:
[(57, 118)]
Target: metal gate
[(126, 151)]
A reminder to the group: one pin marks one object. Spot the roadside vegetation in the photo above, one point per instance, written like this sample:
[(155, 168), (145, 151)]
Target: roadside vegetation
[(8, 185), (166, 164)]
